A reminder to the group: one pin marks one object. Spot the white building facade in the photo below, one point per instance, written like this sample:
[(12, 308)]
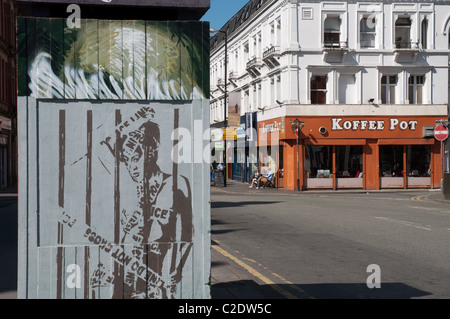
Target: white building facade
[(369, 80)]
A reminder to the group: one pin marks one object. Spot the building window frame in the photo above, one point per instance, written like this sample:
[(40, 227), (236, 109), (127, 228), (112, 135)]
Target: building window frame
[(367, 33), (402, 32), (332, 30), (424, 27), (388, 86), (318, 88), (416, 88)]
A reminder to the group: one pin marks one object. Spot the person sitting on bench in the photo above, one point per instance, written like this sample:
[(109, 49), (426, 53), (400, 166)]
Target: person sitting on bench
[(255, 179), (264, 179)]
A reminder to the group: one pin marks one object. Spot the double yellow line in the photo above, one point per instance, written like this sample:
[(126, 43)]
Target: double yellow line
[(420, 198), (260, 276)]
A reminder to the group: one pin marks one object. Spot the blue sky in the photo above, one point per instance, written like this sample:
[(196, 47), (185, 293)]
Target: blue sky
[(221, 11)]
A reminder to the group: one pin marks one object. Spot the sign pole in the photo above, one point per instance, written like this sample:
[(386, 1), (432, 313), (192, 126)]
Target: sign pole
[(298, 167), (442, 165), (296, 128), (441, 134)]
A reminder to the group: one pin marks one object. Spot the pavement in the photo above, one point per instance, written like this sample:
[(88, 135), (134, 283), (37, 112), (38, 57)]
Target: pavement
[(8, 244), (229, 280)]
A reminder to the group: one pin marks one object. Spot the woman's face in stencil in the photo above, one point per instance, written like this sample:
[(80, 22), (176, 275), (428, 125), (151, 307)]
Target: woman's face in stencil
[(136, 161)]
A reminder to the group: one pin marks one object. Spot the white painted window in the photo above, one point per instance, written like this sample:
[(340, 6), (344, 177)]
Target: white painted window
[(278, 41), (259, 103), (247, 106), (424, 34), (388, 87), (259, 45), (318, 89), (367, 33), (332, 31), (272, 33), (257, 96), (272, 91), (403, 33), (278, 87), (275, 88), (415, 89), (246, 53)]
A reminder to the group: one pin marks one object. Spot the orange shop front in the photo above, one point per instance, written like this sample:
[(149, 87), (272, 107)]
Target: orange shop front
[(353, 152)]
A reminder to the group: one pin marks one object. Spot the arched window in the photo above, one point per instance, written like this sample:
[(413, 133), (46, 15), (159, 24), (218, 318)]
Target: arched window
[(332, 31), (403, 33), (424, 33)]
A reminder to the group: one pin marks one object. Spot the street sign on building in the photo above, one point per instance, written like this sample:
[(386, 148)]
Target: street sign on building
[(229, 134)]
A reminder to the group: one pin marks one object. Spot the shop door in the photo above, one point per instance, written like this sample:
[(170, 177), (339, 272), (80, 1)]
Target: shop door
[(391, 166), (349, 166), (418, 165), (319, 166)]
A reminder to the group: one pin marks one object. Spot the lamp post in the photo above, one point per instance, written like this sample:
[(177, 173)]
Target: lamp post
[(225, 124), (297, 127)]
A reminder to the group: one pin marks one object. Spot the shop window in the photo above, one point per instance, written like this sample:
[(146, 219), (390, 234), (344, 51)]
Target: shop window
[(415, 89), (318, 89), (349, 166), (403, 33), (418, 161), (318, 165), (349, 161), (391, 165), (391, 160), (332, 32), (367, 33), (388, 84)]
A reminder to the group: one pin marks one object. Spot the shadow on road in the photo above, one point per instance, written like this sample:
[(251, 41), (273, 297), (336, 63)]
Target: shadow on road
[(239, 204), (245, 289), (223, 231)]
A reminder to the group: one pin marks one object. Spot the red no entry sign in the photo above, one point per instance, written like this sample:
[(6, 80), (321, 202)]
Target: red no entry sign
[(440, 132)]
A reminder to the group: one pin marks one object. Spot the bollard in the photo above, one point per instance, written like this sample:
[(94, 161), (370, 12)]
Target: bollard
[(446, 186)]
